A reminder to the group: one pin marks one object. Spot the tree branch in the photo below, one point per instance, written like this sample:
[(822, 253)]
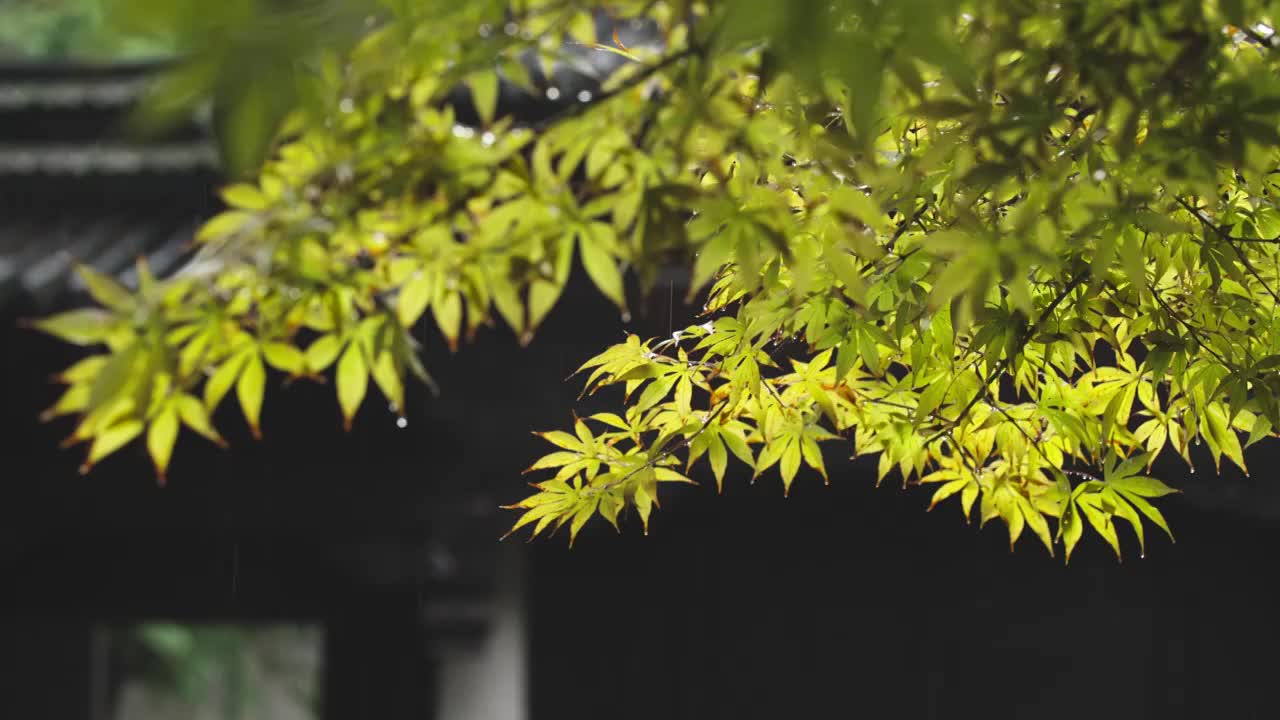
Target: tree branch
[(1228, 239), (1001, 366), (653, 461)]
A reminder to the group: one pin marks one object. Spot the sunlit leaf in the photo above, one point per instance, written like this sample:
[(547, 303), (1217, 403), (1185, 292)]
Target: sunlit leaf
[(161, 436), (251, 389), (352, 381)]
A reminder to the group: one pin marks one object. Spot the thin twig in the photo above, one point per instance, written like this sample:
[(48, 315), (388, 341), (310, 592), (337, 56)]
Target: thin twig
[(653, 461), (902, 229), (634, 81), (1195, 332), (1003, 364), (1228, 238)]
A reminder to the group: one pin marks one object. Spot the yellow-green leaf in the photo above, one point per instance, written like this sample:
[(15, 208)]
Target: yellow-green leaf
[(1035, 520), (220, 382), (88, 326), (1147, 509), (644, 506), (244, 196), (1100, 521), (322, 352), (386, 374), (448, 312), (250, 391), (484, 92), (1072, 528), (106, 290), (353, 382), (813, 456), (789, 464), (195, 416), (584, 513), (718, 458), (1147, 487), (111, 440), (285, 357), (161, 436), (224, 224), (599, 264), (414, 298)]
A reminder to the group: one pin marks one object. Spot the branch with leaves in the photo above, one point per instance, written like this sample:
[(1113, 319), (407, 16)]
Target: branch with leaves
[(958, 233)]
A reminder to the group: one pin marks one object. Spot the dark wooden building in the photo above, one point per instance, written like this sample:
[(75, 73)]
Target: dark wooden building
[(383, 537)]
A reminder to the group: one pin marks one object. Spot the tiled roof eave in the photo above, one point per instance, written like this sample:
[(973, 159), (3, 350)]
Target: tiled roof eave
[(70, 93), (106, 158)]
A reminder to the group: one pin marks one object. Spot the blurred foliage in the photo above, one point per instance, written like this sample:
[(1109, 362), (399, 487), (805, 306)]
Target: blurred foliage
[(254, 60), (1016, 249), (188, 659), (205, 665), (44, 30)]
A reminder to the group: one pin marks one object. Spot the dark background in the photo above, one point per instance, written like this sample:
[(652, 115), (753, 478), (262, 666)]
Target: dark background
[(839, 601)]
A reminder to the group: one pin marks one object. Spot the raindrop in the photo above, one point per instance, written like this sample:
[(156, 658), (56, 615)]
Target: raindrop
[(626, 316), (1099, 174), (511, 29), (584, 96), (488, 139), (347, 105), (553, 93), (402, 422), (370, 21), (485, 30), (462, 131)]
